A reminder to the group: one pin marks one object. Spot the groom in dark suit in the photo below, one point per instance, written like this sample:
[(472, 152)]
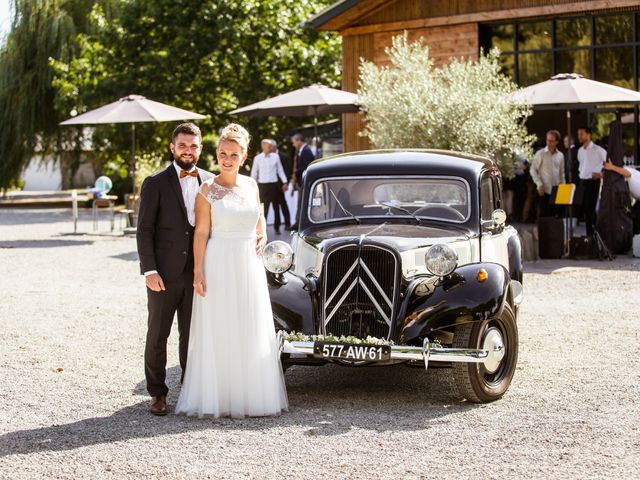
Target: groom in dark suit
[(165, 246)]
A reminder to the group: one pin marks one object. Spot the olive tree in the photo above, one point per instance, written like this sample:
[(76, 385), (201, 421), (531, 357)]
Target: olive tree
[(461, 106)]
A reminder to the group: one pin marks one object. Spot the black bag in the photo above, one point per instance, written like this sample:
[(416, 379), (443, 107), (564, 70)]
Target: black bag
[(550, 237), (635, 215), (614, 223), (583, 248)]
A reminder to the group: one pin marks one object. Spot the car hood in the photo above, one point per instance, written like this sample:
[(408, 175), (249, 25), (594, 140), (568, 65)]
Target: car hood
[(401, 237)]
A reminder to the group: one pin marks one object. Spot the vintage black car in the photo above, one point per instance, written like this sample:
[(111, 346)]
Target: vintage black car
[(401, 257)]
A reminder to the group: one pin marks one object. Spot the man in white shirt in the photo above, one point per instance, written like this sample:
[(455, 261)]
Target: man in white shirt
[(591, 159), (267, 171), (547, 171)]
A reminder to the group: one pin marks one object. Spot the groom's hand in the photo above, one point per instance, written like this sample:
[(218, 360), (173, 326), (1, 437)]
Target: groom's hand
[(154, 282)]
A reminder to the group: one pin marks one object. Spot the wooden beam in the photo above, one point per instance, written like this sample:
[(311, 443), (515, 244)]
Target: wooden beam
[(361, 9), (588, 6)]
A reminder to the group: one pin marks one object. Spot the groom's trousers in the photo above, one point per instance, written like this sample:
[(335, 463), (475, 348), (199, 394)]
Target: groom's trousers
[(176, 298)]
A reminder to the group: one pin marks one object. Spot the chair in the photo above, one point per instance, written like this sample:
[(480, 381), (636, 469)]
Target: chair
[(106, 201)]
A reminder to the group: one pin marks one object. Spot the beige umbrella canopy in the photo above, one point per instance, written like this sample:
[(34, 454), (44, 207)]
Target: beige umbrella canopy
[(571, 90), (308, 101), (133, 109), (305, 102)]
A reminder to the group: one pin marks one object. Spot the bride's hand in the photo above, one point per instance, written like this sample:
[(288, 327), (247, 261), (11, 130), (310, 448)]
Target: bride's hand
[(199, 284), (261, 241)]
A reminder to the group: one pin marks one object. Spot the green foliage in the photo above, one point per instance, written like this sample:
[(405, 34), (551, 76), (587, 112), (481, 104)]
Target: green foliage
[(148, 164), (40, 29), (205, 56), (412, 104), (65, 57)]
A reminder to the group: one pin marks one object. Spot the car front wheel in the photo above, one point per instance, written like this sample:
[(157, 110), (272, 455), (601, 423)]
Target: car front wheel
[(481, 383)]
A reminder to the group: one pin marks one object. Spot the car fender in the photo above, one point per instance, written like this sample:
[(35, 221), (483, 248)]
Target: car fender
[(292, 302), (441, 302)]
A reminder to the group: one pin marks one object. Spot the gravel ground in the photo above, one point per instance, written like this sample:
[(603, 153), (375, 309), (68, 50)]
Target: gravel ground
[(74, 405)]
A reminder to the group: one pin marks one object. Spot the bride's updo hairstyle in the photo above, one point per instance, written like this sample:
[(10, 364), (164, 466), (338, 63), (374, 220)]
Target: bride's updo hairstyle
[(236, 133)]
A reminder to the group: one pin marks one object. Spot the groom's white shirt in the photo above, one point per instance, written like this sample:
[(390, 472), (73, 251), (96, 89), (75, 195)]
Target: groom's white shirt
[(189, 186)]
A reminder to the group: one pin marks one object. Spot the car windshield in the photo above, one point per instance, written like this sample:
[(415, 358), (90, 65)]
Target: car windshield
[(438, 198)]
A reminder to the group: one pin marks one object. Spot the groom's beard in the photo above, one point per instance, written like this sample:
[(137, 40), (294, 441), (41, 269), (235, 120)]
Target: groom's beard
[(186, 162)]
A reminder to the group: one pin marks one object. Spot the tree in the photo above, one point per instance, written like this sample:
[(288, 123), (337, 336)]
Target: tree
[(206, 56), (460, 107), (41, 29)]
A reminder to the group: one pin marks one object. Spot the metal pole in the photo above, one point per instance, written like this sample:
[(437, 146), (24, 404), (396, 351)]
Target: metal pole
[(74, 210), (133, 158), (570, 163), (315, 126)]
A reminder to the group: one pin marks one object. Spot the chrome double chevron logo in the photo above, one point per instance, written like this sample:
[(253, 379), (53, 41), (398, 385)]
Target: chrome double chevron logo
[(357, 280)]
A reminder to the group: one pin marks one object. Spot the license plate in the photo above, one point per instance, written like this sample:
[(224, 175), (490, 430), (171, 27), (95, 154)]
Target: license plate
[(371, 353)]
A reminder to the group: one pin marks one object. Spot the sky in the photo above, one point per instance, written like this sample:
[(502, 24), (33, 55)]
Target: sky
[(5, 17)]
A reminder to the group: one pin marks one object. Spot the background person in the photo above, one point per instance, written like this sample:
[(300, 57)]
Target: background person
[(591, 159), (547, 171), (302, 157), (571, 153), (267, 171)]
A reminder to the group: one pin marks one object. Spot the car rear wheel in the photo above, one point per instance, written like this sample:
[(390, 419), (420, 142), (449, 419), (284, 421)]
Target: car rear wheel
[(481, 383)]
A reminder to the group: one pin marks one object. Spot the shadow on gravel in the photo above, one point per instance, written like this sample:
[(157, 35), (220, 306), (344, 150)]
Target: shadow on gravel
[(325, 401), (43, 243), (128, 257), (31, 216)]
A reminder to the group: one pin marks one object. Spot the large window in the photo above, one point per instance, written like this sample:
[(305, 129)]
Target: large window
[(603, 47)]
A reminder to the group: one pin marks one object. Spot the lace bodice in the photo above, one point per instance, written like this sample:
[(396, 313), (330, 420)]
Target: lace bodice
[(233, 210)]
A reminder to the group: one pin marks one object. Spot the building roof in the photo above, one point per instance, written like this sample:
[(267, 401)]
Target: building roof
[(342, 13), (353, 15)]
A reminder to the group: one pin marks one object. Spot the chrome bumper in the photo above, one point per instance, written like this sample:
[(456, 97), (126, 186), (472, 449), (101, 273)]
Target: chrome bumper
[(426, 353)]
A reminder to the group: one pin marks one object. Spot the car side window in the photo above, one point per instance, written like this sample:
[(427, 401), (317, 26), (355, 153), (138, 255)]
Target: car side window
[(486, 198)]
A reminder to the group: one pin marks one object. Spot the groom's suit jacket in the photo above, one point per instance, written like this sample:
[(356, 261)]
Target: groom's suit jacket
[(164, 234)]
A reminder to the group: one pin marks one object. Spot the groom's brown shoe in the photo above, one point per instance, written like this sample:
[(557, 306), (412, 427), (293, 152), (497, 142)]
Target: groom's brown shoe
[(158, 405)]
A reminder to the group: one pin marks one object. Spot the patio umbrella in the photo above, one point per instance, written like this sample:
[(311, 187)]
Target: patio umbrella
[(572, 90), (567, 90), (132, 109), (305, 102)]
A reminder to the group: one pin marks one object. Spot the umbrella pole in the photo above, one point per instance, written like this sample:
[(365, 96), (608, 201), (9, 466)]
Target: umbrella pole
[(315, 127), (570, 174), (133, 157)]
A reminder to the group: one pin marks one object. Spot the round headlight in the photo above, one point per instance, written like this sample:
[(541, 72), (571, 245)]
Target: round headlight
[(277, 256), (441, 260)]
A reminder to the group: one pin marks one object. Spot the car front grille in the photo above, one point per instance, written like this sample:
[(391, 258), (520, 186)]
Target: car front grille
[(359, 291)]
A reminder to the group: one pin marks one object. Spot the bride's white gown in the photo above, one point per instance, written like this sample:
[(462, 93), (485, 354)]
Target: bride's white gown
[(233, 366)]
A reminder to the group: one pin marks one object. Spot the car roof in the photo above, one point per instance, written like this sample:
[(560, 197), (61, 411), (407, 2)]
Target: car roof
[(400, 162)]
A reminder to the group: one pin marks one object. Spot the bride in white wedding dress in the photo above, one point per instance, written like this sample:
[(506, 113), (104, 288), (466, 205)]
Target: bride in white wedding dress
[(233, 365)]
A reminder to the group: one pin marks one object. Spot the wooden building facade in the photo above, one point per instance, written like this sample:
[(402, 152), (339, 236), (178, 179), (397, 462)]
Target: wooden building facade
[(539, 38)]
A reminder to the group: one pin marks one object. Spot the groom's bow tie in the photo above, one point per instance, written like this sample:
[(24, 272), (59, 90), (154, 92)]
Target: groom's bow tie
[(184, 173)]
